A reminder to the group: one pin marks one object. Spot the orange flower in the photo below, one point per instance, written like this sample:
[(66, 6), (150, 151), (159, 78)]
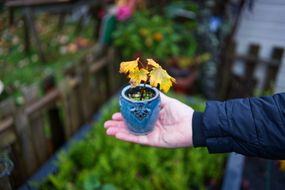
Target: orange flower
[(82, 42), (72, 48), (158, 36)]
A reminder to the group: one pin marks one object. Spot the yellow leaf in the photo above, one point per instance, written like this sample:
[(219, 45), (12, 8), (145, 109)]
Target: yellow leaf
[(160, 76), (153, 63), (137, 76), (282, 165), (129, 66)]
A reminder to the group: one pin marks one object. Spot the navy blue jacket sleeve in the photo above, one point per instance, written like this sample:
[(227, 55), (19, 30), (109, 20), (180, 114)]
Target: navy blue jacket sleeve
[(251, 126)]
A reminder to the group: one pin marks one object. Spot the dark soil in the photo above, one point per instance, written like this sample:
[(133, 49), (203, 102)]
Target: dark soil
[(262, 174), (135, 93)]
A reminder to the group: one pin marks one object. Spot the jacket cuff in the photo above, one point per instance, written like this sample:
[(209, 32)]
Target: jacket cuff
[(198, 130)]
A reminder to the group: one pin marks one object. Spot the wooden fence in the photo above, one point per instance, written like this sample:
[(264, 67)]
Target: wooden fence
[(34, 131), (251, 73)]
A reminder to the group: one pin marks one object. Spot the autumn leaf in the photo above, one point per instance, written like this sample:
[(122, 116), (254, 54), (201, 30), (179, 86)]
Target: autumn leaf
[(282, 165), (160, 76), (129, 66), (154, 74), (137, 76), (153, 63)]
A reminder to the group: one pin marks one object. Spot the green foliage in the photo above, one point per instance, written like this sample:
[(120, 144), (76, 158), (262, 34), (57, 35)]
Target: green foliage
[(98, 161), (147, 34), (19, 68)]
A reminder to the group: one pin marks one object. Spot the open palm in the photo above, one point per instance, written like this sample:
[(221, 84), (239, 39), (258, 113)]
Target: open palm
[(173, 128)]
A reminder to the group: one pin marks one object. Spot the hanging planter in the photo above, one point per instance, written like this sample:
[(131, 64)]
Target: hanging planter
[(186, 72)]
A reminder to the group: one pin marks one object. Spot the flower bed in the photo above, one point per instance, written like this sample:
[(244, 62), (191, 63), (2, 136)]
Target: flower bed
[(98, 159), (62, 48)]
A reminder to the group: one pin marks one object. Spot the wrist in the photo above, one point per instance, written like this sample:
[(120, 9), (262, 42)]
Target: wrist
[(198, 130)]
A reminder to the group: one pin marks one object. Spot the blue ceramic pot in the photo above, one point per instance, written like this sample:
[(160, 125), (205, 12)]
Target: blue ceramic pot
[(140, 116)]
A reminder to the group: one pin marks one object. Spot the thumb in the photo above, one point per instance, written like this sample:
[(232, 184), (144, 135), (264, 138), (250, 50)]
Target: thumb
[(164, 99)]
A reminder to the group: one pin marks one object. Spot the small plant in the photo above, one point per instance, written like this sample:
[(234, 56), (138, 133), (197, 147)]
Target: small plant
[(151, 73)]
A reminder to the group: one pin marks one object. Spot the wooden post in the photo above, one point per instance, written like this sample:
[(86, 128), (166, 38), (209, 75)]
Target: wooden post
[(27, 37), (226, 70), (28, 15), (111, 72), (5, 183), (253, 51), (243, 84), (98, 74), (25, 143), (272, 69), (61, 21), (8, 139), (105, 83), (79, 25), (95, 10), (85, 90), (56, 126), (72, 105), (11, 16), (36, 123)]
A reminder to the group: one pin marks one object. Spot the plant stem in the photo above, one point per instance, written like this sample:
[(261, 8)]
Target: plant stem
[(142, 65), (143, 91)]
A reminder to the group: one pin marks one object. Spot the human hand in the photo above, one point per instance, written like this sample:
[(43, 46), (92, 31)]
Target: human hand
[(173, 128)]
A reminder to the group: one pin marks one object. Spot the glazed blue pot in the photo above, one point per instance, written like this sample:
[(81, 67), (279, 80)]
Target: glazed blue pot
[(140, 116)]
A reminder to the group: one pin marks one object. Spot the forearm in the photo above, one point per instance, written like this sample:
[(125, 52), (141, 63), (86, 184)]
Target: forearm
[(253, 127)]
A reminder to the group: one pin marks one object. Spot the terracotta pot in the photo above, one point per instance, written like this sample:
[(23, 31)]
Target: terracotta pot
[(185, 84)]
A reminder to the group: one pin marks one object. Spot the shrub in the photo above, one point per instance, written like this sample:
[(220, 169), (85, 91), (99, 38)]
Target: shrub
[(97, 161)]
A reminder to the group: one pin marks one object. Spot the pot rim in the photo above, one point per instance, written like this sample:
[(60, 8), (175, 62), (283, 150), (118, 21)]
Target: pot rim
[(123, 94)]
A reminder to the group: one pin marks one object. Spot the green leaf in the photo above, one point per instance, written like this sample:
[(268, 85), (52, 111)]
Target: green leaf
[(108, 187)]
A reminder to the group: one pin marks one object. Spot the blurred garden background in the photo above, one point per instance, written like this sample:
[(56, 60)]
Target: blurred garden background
[(60, 81)]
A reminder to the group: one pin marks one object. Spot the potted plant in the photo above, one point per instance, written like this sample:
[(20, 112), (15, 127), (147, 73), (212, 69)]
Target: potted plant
[(186, 70), (140, 101)]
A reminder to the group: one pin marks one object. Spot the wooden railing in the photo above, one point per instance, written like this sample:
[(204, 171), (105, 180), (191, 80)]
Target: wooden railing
[(252, 72), (35, 130)]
